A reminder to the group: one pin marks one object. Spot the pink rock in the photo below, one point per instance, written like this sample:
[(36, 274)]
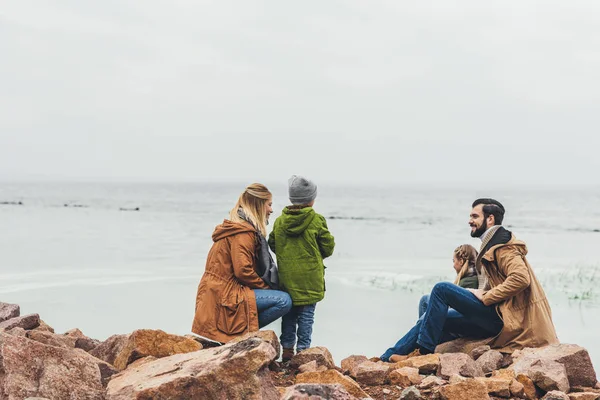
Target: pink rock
[(470, 389), (313, 391), (110, 348), (479, 351), (237, 371), (9, 311), (405, 377), (457, 364), (489, 361), (26, 322), (555, 395), (349, 364), (320, 354), (371, 373), (549, 376)]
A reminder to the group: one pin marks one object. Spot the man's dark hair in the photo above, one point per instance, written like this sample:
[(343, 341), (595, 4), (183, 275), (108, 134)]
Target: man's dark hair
[(491, 207)]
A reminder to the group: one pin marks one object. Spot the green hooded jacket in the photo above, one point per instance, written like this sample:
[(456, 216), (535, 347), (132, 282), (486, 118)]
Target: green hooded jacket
[(301, 240)]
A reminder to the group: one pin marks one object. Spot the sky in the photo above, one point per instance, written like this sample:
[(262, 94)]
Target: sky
[(340, 91)]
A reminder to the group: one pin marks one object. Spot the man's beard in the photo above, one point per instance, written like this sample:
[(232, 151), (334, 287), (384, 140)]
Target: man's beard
[(480, 231)]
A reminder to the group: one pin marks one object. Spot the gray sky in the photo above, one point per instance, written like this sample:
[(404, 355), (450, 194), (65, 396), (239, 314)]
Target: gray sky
[(347, 91)]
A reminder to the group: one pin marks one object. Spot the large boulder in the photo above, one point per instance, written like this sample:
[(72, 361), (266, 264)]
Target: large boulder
[(234, 371), (29, 369), (26, 322), (470, 389), (332, 376), (267, 336), (9, 311), (320, 354), (156, 343), (110, 348), (52, 339), (372, 373), (349, 364), (576, 359), (458, 364)]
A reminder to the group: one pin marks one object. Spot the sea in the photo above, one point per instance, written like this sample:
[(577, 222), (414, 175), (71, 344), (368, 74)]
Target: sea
[(110, 258)]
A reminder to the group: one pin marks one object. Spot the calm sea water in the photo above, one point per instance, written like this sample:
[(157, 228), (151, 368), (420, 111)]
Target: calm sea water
[(77, 255)]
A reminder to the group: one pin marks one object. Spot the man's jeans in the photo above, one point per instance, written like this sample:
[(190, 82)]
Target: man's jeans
[(302, 317), (469, 318), (423, 305), (271, 304)]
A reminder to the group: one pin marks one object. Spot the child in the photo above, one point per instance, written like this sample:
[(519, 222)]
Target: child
[(300, 240), (464, 259)]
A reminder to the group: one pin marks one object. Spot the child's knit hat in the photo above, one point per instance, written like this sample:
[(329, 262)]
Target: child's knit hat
[(301, 190)]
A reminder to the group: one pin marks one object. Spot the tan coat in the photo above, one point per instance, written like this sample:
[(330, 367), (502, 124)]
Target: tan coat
[(225, 302), (519, 298)]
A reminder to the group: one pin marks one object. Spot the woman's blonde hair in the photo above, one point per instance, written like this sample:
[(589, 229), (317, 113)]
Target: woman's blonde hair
[(468, 255), (252, 202)]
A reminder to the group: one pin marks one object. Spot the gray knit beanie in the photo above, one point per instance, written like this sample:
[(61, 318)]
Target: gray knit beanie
[(301, 190)]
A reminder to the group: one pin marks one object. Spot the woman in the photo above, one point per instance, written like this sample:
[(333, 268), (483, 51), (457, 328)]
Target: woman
[(232, 299)]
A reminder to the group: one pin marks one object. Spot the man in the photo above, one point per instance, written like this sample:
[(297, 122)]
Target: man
[(509, 303)]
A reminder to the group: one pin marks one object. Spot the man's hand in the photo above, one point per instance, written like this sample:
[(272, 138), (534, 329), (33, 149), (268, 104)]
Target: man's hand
[(478, 293)]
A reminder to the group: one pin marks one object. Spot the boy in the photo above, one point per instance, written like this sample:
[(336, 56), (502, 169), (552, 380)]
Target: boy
[(300, 240)]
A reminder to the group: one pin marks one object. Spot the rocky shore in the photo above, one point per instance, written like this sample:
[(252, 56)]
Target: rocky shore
[(37, 363)]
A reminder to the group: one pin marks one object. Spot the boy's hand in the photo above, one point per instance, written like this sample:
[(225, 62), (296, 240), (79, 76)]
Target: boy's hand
[(477, 292)]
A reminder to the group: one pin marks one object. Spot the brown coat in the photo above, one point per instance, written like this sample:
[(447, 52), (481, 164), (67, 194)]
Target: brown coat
[(225, 303), (519, 298)]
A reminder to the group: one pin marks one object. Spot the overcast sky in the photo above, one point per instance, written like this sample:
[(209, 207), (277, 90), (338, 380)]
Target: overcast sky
[(349, 91)]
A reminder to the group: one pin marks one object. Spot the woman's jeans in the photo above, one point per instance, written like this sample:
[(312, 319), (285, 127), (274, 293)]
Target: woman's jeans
[(271, 305), (301, 317), (423, 305), (468, 318)]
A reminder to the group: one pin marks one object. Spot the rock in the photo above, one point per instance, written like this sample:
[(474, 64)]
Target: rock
[(386, 391), (44, 327), (549, 376), (9, 311), (430, 382), (457, 363), (234, 371), (29, 368), (147, 342), (410, 393), (479, 351), (308, 367), (497, 386), (51, 339), (461, 345), (110, 348), (528, 386), (504, 373), (517, 389), (584, 396), (372, 373), (576, 360), (332, 376), (456, 379), (426, 364), (17, 332), (320, 354), (489, 361), (470, 389), (349, 364), (507, 360), (26, 322), (405, 377), (267, 336), (555, 395), (311, 391), (86, 344)]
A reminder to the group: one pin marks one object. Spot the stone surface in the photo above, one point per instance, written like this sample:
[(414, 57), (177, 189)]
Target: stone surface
[(431, 381), (308, 367), (320, 354), (332, 376), (410, 393), (555, 395), (44, 327), (148, 342), (576, 360), (26, 322), (461, 345), (349, 364), (489, 361), (479, 351), (470, 389), (427, 364), (517, 389), (549, 376), (29, 369), (234, 371), (9, 311), (457, 363), (311, 391), (497, 386), (17, 332), (267, 336), (405, 377), (51, 339), (372, 373), (110, 348), (528, 386), (584, 396)]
